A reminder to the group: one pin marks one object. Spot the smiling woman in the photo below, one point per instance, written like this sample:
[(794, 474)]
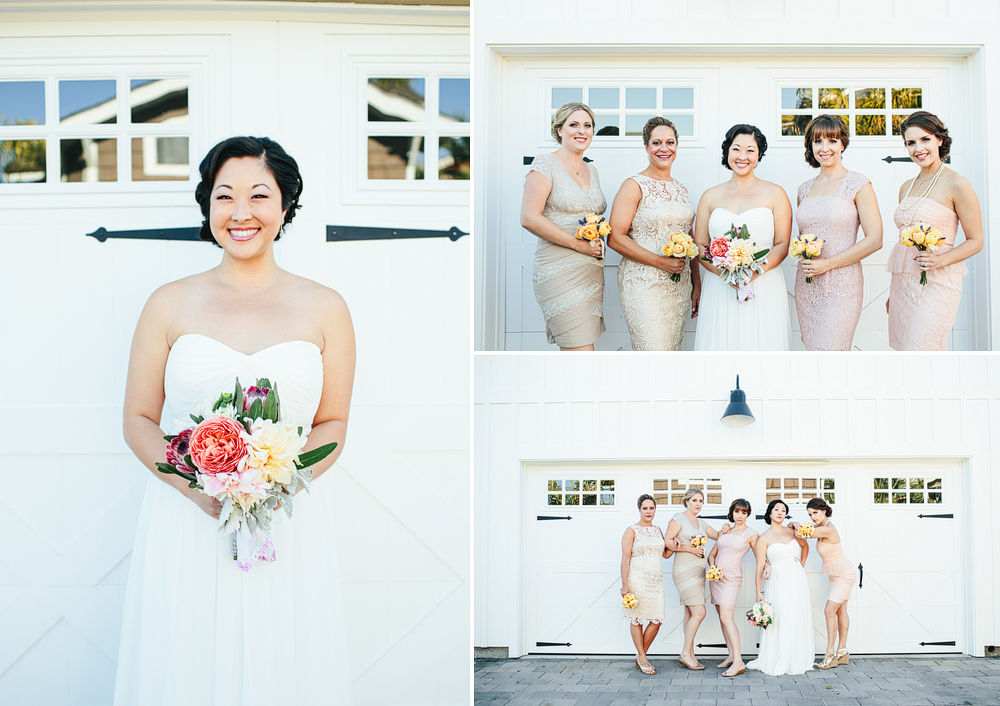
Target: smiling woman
[(242, 320)]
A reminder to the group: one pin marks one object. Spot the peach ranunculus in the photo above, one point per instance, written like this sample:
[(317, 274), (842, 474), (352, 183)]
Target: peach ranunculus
[(217, 445), (272, 450)]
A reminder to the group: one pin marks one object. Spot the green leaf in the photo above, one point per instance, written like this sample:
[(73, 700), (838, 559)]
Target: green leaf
[(170, 437), (238, 397), (256, 410), (271, 406), (264, 382), (188, 462), (197, 419), (169, 468), (275, 391), (308, 458), (762, 253)]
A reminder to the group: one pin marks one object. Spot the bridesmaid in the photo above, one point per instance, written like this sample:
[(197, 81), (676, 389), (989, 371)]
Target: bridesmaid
[(568, 273), (728, 555), (689, 569), (921, 316), (648, 208), (842, 577), (832, 205), (643, 551)]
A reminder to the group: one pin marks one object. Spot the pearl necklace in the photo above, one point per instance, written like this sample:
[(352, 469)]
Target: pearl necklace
[(920, 199)]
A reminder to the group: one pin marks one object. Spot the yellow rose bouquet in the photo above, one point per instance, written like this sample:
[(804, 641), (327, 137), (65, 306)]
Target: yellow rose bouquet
[(679, 245), (922, 236), (629, 601), (699, 540), (806, 247), (714, 573), (805, 530), (592, 227)]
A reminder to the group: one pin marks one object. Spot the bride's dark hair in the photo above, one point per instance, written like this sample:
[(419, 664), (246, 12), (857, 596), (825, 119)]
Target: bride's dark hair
[(743, 129), (770, 506), (279, 163)]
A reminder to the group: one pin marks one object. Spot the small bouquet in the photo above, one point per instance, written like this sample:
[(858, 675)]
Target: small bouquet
[(761, 615), (922, 236), (698, 540), (244, 456), (714, 573), (736, 254), (592, 227), (806, 247), (805, 530), (679, 245), (629, 601)]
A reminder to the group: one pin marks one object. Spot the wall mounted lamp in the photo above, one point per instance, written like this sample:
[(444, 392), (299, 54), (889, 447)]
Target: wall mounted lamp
[(738, 414)]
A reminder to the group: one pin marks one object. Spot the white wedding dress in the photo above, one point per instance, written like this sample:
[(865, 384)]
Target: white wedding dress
[(786, 646), (196, 630), (762, 324)]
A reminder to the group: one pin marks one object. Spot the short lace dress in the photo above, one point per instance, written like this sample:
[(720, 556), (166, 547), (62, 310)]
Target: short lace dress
[(645, 575), (655, 306), (569, 285)]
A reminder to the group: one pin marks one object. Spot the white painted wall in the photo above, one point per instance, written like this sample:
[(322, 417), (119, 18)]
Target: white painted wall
[(617, 411), (883, 32), (68, 306)]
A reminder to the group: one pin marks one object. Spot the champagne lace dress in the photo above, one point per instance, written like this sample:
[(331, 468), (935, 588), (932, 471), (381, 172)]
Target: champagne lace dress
[(689, 569), (829, 307), (732, 548), (655, 306), (569, 285), (645, 575), (921, 315)]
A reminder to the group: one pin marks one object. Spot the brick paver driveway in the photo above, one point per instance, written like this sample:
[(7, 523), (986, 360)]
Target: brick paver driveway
[(880, 681)]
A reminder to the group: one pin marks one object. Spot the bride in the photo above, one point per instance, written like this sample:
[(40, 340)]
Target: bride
[(196, 629), (761, 324), (786, 646)]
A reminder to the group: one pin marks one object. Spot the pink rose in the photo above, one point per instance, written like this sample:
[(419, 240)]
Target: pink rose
[(217, 445), (719, 247), (177, 449), (254, 393)]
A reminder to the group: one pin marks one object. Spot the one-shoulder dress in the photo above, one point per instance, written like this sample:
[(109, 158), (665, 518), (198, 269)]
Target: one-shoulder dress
[(655, 306), (195, 628), (921, 315), (829, 307), (569, 285)]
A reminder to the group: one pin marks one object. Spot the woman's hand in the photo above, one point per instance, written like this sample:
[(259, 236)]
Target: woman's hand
[(794, 526), (767, 572), (594, 248), (673, 265), (725, 528), (698, 551), (695, 297), (211, 506), (927, 261), (814, 268)]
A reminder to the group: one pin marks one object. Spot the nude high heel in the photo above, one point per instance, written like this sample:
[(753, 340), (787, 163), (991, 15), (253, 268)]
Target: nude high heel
[(829, 662)]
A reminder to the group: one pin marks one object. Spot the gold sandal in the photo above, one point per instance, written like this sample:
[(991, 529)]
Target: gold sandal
[(829, 663), (843, 657)]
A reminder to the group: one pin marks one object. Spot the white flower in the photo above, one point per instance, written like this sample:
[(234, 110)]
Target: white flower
[(272, 449)]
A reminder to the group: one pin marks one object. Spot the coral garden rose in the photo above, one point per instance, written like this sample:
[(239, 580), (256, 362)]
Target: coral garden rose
[(177, 449), (719, 247), (217, 445)]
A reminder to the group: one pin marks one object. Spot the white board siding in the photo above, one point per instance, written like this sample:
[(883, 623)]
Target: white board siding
[(839, 408), (68, 307)]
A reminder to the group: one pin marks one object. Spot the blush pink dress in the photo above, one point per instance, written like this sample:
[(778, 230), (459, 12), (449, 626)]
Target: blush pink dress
[(829, 307), (838, 568), (732, 548), (921, 316)]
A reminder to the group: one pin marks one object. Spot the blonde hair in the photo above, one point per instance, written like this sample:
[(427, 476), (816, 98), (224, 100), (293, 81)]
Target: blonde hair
[(691, 492), (562, 115), (652, 124)]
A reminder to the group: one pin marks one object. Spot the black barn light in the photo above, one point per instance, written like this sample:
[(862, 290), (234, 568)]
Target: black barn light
[(738, 414)]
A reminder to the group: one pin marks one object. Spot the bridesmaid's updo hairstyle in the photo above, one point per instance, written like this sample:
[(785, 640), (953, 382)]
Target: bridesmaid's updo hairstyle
[(821, 505), (282, 167), (691, 492), (770, 507), (928, 122), (825, 126), (739, 504), (562, 115), (743, 129), (652, 124), (643, 498)]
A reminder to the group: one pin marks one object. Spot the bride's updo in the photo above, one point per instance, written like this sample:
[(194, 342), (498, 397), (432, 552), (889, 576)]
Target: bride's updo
[(743, 129), (279, 163)]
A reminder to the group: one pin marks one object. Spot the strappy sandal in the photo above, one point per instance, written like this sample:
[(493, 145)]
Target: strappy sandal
[(843, 657), (829, 663)]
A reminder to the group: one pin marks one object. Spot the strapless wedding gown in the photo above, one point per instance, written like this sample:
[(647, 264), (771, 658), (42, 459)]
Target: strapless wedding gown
[(762, 324), (196, 630), (786, 646)]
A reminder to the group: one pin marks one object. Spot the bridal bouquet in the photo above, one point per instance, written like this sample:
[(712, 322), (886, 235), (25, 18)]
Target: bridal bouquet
[(806, 247), (714, 573), (679, 245), (736, 254), (922, 236), (805, 530), (243, 455), (629, 601), (761, 615)]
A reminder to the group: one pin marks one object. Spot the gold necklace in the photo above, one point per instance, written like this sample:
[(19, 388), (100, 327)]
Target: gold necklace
[(920, 199)]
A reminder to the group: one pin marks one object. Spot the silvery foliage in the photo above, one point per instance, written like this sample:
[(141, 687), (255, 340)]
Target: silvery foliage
[(234, 518)]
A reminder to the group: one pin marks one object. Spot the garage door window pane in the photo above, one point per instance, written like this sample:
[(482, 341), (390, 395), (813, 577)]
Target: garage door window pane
[(907, 99), (683, 123), (88, 102), (635, 123), (555, 500), (832, 98), (607, 125), (555, 485), (794, 124), (562, 96), (22, 161), (796, 98), (678, 98), (934, 498), (799, 490), (22, 102), (869, 125), (869, 98), (396, 157), (160, 159), (89, 160), (454, 158), (604, 98), (396, 100), (572, 498), (638, 98), (916, 486), (453, 100), (159, 100)]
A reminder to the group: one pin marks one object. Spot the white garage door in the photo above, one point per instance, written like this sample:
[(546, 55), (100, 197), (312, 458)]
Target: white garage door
[(704, 97), (897, 523)]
